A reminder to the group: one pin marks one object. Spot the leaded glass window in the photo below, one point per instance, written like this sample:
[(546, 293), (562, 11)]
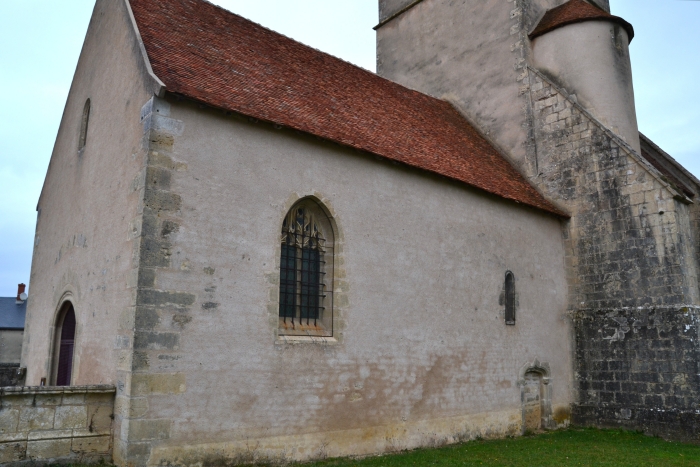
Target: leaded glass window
[(306, 272)]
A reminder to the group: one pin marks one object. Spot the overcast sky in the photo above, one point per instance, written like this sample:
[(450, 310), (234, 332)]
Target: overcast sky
[(41, 41)]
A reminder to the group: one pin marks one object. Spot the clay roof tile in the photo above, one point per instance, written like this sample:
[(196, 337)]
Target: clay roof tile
[(220, 59), (576, 11)]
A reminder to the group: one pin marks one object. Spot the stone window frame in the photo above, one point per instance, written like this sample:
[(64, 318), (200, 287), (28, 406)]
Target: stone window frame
[(55, 339), (336, 278)]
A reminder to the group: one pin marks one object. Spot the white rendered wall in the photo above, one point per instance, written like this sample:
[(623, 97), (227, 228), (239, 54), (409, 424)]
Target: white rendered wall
[(423, 353), (84, 245)]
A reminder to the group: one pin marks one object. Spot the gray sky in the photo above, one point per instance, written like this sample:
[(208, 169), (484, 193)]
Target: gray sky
[(41, 41)]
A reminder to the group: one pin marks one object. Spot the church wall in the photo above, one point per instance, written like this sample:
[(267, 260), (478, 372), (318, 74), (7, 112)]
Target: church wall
[(421, 354), (628, 242), (632, 272), (84, 245), (445, 48)]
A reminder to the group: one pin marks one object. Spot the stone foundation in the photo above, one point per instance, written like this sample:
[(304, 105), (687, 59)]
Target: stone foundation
[(637, 368), (56, 424)]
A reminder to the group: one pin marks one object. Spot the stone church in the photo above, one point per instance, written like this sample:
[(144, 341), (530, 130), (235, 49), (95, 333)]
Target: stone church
[(270, 253)]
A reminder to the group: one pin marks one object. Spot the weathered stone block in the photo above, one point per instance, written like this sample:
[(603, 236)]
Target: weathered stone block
[(99, 398), (143, 430), (163, 383), (48, 449), (70, 417), (47, 400), (159, 200), (11, 400), (13, 452), (91, 444), (9, 418), (36, 418), (99, 418), (73, 399), (146, 318), (158, 178), (164, 297), (155, 253), (156, 340)]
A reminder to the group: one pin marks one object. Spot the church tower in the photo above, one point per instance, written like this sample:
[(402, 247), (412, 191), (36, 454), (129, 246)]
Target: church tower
[(476, 54), (549, 82)]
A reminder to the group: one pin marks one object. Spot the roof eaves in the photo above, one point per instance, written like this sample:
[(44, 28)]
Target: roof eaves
[(670, 159), (547, 206)]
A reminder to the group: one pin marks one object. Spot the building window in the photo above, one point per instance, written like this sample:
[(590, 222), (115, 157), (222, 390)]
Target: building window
[(306, 272), (510, 298), (84, 126), (65, 345)]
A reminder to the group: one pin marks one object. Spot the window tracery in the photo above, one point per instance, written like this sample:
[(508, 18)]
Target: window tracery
[(305, 283)]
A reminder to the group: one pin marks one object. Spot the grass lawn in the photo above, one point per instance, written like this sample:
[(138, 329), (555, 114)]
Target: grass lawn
[(573, 447)]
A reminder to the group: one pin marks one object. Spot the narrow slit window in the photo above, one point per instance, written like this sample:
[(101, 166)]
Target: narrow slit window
[(306, 265), (510, 298), (84, 126)]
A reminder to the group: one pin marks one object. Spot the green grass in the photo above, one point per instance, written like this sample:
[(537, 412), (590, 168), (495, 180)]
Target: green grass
[(574, 447)]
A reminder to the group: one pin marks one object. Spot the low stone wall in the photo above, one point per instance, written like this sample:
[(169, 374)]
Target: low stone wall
[(639, 368), (56, 424)]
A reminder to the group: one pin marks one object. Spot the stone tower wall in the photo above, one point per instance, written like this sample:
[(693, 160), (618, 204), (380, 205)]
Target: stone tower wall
[(629, 240), (632, 266)]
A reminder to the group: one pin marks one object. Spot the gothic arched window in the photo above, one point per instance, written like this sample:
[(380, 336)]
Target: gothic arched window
[(510, 298), (64, 346), (306, 272)]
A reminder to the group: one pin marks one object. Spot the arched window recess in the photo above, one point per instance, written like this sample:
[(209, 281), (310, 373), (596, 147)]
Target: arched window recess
[(64, 346), (306, 272)]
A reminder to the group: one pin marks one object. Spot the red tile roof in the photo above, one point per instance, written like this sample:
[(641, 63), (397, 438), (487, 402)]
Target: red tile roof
[(576, 11), (221, 59)]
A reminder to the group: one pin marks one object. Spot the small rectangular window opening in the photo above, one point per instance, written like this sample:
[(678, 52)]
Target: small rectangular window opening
[(510, 298)]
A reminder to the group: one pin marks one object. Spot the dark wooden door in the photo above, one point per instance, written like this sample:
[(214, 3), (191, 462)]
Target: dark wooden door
[(65, 351)]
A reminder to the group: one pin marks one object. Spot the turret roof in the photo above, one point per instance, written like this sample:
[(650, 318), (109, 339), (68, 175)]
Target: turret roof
[(576, 11)]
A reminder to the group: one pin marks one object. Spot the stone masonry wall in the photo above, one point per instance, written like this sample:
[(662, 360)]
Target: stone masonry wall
[(56, 424), (8, 374), (158, 315), (639, 368), (632, 268), (627, 241), (695, 227)]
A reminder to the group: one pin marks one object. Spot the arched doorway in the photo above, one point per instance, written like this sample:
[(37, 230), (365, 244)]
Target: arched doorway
[(532, 398), (535, 397), (65, 333)]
